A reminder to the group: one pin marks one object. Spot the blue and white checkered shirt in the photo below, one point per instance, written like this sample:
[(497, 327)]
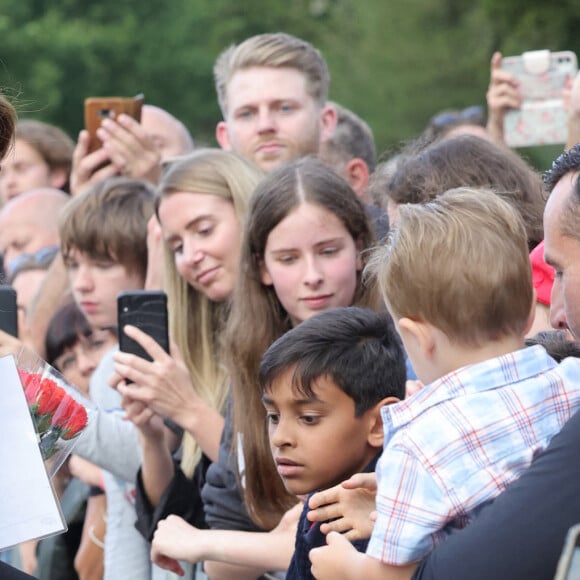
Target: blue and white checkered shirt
[(460, 441)]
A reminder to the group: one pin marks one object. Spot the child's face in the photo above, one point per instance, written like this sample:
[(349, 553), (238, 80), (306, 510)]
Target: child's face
[(95, 285), (203, 232), (312, 261), (78, 362), (316, 443)]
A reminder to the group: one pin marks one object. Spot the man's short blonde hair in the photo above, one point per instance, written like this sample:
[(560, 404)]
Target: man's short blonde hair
[(460, 263), (276, 50)]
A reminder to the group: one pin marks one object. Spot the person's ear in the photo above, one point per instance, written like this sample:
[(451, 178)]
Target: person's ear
[(328, 120), (418, 337), (222, 136), (376, 433), (265, 277), (357, 174), (58, 178)]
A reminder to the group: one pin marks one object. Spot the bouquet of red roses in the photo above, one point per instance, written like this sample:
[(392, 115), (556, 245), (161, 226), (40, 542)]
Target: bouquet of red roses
[(59, 411)]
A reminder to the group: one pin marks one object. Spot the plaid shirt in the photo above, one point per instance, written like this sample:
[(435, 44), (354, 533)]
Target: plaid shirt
[(460, 441)]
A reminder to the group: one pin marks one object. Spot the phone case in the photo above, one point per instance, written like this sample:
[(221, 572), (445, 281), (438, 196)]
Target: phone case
[(147, 310), (541, 120), (8, 310), (99, 108)]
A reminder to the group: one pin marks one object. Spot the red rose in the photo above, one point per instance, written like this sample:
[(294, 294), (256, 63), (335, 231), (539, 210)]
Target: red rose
[(31, 385), (49, 398), (70, 418), (76, 423)]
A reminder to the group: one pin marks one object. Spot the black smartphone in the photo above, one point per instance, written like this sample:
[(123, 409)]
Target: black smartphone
[(147, 310), (569, 563), (8, 310)]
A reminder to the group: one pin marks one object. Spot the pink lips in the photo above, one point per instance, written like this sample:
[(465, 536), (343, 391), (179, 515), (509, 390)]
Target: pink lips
[(207, 275), (288, 468), (269, 147), (89, 307), (317, 302)]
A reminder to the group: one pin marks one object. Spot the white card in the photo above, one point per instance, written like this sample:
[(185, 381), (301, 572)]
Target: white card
[(29, 508)]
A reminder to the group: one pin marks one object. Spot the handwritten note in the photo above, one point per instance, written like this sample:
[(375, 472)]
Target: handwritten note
[(29, 508)]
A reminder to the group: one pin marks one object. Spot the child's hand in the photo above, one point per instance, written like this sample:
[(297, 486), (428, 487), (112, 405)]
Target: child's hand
[(338, 559), (349, 504), (174, 540)]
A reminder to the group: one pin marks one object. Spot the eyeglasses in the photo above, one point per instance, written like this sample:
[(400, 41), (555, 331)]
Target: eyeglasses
[(472, 115), (40, 259)]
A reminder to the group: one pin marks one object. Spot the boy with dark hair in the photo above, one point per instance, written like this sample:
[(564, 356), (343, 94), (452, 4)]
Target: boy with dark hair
[(456, 278), (324, 384)]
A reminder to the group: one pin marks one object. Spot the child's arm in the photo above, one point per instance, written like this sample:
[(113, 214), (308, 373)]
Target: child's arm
[(349, 507), (340, 560), (176, 540)]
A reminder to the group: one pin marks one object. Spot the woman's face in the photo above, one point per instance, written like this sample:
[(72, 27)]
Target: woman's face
[(312, 261), (203, 232), (77, 363)]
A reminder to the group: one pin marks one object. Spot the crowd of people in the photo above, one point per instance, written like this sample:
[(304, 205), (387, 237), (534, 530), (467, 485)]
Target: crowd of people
[(373, 369)]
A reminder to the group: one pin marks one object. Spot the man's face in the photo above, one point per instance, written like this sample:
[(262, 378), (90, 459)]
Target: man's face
[(271, 118), (563, 253), (165, 131), (25, 169), (21, 232)]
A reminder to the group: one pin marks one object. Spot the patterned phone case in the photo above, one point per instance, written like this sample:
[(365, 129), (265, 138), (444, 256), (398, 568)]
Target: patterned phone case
[(542, 75)]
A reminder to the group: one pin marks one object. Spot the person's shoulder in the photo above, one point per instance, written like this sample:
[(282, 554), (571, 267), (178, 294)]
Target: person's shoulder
[(98, 385)]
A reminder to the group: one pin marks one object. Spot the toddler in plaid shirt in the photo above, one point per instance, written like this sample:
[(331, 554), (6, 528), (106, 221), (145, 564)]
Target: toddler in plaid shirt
[(456, 277)]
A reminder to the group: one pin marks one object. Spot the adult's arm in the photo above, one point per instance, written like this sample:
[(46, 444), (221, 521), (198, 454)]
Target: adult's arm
[(521, 534)]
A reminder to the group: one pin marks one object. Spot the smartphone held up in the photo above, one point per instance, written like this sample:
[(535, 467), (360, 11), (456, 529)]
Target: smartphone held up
[(146, 310), (542, 77), (97, 109)]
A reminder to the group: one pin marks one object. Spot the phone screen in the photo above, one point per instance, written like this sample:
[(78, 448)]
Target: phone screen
[(147, 310)]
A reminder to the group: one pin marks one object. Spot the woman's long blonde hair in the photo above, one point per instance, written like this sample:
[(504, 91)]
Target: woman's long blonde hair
[(196, 322)]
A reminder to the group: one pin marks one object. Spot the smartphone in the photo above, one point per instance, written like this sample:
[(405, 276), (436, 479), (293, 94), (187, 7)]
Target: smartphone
[(542, 76), (147, 310), (569, 563), (99, 108), (8, 310)]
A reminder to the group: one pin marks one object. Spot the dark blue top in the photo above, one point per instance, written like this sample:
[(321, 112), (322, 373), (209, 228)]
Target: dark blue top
[(309, 536)]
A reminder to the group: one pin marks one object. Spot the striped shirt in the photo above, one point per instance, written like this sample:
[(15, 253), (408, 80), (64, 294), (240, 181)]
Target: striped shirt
[(460, 441)]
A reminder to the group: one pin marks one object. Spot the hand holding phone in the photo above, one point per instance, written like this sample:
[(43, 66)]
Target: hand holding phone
[(147, 310), (97, 109), (542, 77)]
